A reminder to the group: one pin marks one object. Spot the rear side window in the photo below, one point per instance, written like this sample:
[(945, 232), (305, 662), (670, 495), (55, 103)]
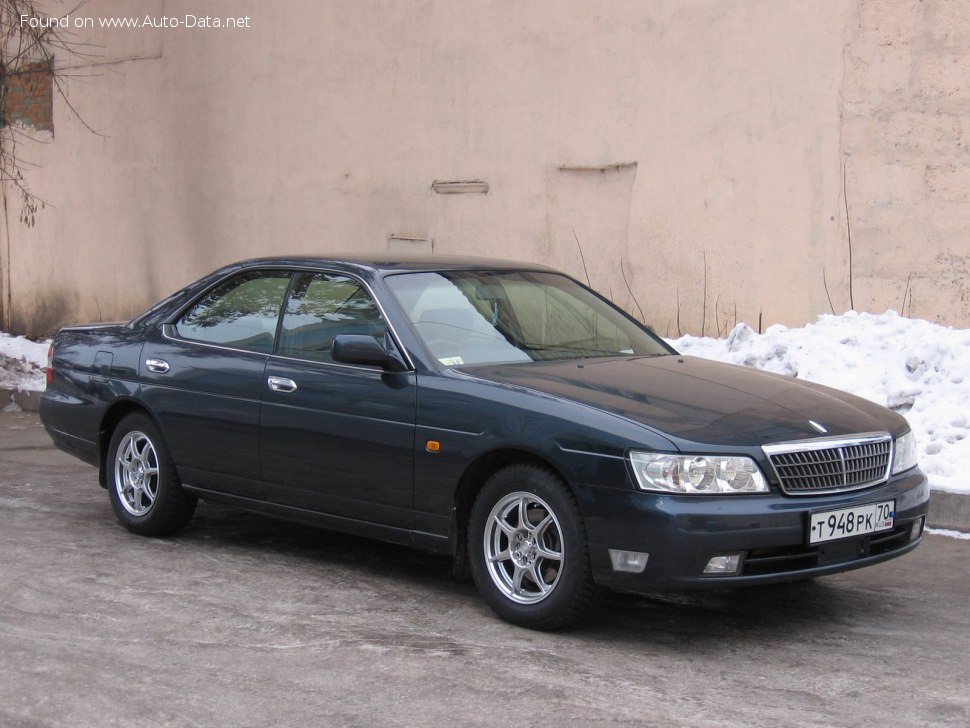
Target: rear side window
[(241, 313), (322, 306)]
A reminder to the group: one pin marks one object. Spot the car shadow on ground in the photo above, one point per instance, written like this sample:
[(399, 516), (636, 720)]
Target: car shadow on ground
[(219, 526), (694, 618)]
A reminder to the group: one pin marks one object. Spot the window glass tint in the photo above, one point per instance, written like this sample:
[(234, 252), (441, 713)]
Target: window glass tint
[(478, 317), (241, 313), (322, 306), (555, 318), (454, 324)]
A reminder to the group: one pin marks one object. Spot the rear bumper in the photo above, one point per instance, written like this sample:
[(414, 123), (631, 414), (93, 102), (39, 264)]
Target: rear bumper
[(682, 533), (58, 413), (81, 449)]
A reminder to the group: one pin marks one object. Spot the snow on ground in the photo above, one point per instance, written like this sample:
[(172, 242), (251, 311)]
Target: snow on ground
[(22, 363), (919, 369), (915, 367), (949, 533)]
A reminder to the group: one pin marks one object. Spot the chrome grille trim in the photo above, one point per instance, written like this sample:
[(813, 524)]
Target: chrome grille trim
[(831, 464)]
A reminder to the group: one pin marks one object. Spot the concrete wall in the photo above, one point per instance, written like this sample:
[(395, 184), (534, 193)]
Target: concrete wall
[(731, 147)]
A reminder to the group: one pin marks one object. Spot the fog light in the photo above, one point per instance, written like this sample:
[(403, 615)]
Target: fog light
[(917, 529), (633, 561), (724, 565)]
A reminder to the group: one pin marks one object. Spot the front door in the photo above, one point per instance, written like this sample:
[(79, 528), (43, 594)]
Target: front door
[(336, 439)]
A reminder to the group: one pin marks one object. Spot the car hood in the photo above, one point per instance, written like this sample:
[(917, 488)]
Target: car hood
[(695, 400)]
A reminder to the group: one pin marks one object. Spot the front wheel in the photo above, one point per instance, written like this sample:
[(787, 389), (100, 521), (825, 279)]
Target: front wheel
[(144, 489), (528, 549)]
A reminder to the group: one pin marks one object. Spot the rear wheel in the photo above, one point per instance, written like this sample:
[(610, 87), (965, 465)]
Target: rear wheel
[(144, 490), (527, 543)]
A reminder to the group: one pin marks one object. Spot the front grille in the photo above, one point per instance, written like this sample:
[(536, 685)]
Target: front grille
[(828, 465)]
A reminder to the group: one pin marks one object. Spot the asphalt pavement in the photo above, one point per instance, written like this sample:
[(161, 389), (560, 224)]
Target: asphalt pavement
[(242, 620)]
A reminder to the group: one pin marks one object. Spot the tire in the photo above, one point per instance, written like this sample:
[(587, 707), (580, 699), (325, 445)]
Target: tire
[(144, 489), (528, 550)]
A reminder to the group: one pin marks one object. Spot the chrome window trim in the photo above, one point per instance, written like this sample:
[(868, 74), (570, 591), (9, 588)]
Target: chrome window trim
[(221, 347), (170, 321), (827, 443), (358, 367)]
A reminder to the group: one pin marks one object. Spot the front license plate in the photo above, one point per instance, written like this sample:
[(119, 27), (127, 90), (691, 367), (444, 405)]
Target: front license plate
[(855, 521)]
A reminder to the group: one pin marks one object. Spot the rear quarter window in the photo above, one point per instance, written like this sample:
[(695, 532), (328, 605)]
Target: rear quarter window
[(241, 313)]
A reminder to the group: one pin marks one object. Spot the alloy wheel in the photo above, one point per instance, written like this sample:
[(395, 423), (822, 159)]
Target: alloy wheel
[(523, 548)]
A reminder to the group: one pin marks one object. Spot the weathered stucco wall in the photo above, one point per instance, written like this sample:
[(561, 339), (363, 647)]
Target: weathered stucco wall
[(906, 143), (687, 146)]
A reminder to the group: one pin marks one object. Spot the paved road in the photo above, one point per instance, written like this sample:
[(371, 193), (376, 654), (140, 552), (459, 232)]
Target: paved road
[(246, 621)]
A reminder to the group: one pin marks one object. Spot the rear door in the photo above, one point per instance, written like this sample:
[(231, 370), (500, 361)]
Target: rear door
[(336, 439), (203, 376)]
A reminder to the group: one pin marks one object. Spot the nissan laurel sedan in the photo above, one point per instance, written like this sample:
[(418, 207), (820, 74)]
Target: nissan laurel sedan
[(500, 413)]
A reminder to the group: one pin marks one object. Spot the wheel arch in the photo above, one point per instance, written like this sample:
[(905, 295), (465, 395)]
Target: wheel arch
[(116, 412), (471, 483)]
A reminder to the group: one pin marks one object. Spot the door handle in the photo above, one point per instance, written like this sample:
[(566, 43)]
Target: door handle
[(159, 366), (281, 384)]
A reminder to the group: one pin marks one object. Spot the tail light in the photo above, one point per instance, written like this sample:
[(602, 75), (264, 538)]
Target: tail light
[(50, 364)]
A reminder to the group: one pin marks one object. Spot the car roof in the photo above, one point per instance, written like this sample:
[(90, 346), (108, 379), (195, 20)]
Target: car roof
[(368, 266), (394, 262)]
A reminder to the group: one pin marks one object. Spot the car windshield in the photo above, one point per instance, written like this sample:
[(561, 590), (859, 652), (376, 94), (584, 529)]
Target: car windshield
[(486, 317)]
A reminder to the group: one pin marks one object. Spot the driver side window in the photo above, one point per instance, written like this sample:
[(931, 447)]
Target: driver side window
[(322, 306)]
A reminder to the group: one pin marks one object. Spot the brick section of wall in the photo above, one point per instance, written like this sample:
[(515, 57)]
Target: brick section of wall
[(28, 96)]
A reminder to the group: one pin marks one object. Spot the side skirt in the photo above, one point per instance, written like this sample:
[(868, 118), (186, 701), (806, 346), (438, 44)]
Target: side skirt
[(417, 539)]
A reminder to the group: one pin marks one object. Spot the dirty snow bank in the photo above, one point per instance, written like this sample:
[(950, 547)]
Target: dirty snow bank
[(22, 363), (919, 369)]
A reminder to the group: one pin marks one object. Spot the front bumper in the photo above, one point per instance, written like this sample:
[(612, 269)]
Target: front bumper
[(682, 533)]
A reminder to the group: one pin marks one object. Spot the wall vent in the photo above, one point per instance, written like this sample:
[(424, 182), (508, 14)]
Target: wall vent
[(407, 244), (460, 187)]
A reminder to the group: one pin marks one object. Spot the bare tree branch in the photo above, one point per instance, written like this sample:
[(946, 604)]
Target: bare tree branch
[(826, 285), (848, 230), (906, 292), (582, 258), (679, 332), (704, 309), (28, 50), (632, 295)]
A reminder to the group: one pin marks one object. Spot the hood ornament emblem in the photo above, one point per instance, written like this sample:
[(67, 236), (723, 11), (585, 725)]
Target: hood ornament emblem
[(817, 426)]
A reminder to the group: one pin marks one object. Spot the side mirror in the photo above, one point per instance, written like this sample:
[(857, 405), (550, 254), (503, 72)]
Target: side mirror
[(365, 351)]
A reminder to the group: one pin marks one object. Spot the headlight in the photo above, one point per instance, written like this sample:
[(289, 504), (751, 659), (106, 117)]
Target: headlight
[(697, 474), (904, 456)]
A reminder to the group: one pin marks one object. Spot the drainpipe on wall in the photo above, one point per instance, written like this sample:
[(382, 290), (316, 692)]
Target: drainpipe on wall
[(5, 297)]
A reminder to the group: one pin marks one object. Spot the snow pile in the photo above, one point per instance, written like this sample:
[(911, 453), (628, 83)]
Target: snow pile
[(919, 369), (22, 363)]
